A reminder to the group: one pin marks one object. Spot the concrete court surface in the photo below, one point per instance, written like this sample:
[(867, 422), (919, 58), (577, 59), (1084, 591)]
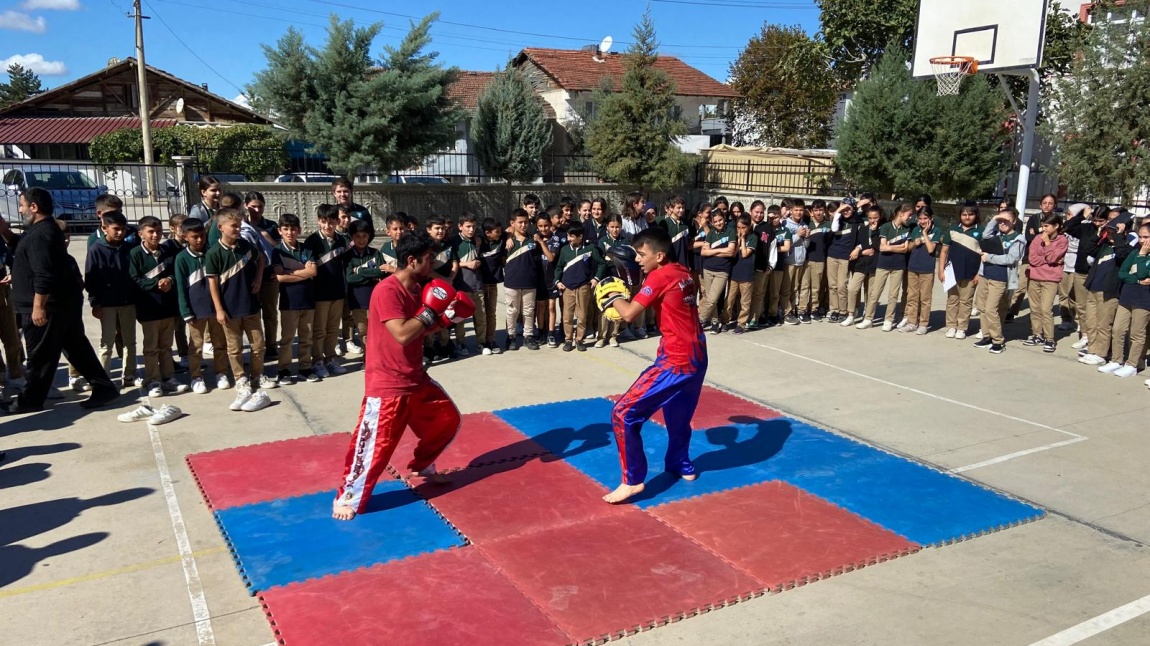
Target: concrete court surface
[(106, 539)]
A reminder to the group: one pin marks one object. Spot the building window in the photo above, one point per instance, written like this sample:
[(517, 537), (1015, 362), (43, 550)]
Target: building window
[(589, 109)]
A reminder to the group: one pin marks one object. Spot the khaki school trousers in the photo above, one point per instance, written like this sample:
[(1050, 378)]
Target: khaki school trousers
[(1042, 308), (775, 282), (295, 323), (838, 279), (1100, 311), (575, 301), (520, 302), (198, 332), (792, 288), (995, 306), (959, 302), (158, 363), (812, 286), (741, 293), (714, 284), (759, 294), (234, 332), (1132, 321), (859, 282), (891, 280), (124, 318), (919, 294), (325, 329)]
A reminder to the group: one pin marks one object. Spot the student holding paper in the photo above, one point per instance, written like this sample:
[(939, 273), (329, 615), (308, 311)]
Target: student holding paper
[(958, 265)]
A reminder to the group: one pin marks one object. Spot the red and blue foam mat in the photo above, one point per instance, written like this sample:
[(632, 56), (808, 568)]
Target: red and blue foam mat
[(519, 548)]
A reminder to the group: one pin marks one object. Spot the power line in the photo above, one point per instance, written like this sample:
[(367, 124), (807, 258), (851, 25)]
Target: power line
[(190, 50), (797, 6)]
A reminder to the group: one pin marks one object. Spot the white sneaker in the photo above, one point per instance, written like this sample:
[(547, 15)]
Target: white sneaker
[(259, 400), (138, 415), (244, 385), (1091, 360), (1081, 343), (339, 351), (904, 322), (171, 385), (922, 329), (165, 414), (319, 369), (1110, 367), (333, 368), (199, 387), (887, 326), (951, 332), (1125, 371), (907, 328), (138, 381), (242, 397), (614, 343), (268, 383), (848, 321), (975, 312), (866, 324), (960, 334), (486, 351), (977, 335), (154, 389), (209, 349), (78, 384), (1147, 382), (354, 348), (223, 383)]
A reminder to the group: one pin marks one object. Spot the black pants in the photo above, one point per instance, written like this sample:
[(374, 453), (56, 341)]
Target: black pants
[(63, 334)]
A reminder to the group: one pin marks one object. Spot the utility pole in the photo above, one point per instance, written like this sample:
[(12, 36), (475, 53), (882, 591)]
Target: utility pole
[(145, 105)]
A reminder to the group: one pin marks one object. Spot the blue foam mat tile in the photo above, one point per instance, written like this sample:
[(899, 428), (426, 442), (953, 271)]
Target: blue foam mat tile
[(295, 539)]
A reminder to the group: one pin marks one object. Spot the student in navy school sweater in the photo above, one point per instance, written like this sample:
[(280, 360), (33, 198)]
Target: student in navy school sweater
[(112, 294)]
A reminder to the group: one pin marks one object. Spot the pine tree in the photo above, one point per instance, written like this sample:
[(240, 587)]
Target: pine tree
[(632, 138), (1100, 126), (22, 84), (510, 128), (786, 91), (901, 138), (387, 114)]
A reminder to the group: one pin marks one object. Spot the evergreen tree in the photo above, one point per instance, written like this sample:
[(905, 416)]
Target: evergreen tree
[(510, 128), (787, 91), (22, 84), (387, 114), (632, 138), (901, 138), (1100, 124)]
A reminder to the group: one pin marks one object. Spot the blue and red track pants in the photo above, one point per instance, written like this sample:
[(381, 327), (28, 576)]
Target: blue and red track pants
[(677, 393), (431, 415)]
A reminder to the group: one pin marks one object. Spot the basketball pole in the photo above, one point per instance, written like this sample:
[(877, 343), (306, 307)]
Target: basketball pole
[(1031, 123)]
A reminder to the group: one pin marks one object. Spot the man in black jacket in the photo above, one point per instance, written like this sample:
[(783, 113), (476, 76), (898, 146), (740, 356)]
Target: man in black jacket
[(48, 298)]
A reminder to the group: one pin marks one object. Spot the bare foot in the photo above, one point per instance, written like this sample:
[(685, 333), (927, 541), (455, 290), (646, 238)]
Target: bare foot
[(689, 477), (623, 492), (431, 474), (342, 512)]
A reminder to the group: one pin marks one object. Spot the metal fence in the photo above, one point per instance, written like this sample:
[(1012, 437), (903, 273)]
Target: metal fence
[(74, 185), (792, 178)]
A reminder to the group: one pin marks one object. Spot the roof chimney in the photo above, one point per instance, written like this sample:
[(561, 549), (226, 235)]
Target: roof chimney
[(204, 85)]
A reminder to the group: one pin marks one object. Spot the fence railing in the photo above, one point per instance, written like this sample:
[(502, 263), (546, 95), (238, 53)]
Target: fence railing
[(794, 177), (74, 185)]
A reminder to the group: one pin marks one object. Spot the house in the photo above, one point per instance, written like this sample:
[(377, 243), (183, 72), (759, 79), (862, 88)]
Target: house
[(60, 123)]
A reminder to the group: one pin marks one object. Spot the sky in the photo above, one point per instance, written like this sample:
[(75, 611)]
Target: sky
[(221, 44)]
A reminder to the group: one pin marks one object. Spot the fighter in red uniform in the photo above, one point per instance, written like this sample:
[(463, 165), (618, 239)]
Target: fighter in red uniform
[(397, 391), (674, 382)]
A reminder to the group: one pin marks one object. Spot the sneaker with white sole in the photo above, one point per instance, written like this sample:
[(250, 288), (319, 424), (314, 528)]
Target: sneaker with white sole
[(223, 383), (614, 343), (866, 324), (258, 401), (354, 348), (960, 334), (170, 385), (319, 369), (922, 330), (486, 351), (903, 322), (887, 326), (1109, 367), (907, 328), (243, 384), (78, 384), (1125, 371), (268, 383), (242, 397), (339, 351), (198, 386), (975, 312), (165, 414), (1091, 360), (138, 415), (1147, 382), (154, 389), (848, 321), (333, 368), (977, 336), (951, 332), (1081, 343)]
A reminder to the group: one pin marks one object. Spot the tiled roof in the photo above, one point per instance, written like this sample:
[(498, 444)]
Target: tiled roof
[(469, 85), (576, 70), (66, 130)]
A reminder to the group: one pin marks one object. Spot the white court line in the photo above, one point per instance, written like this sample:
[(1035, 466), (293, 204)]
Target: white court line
[(191, 574), (1101, 623), (1002, 458)]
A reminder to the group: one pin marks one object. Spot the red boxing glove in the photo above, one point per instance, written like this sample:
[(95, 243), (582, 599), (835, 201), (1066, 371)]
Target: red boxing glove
[(437, 296), (460, 309)]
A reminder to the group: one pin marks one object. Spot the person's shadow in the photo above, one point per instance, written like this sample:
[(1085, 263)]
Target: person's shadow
[(27, 521), (14, 476)]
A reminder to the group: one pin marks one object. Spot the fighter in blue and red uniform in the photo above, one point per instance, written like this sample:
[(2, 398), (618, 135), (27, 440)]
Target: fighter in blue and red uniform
[(674, 382)]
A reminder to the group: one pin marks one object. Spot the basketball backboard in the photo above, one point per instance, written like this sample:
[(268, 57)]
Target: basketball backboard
[(1004, 36)]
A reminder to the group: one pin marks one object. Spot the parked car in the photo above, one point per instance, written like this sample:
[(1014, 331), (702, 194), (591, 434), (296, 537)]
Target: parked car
[(225, 178), (73, 192), (311, 178), (417, 179)]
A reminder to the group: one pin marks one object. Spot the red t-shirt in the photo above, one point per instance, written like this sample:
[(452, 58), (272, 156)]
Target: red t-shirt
[(391, 369), (673, 291)]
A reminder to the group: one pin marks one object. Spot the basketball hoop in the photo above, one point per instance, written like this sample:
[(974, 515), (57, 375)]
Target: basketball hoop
[(949, 71)]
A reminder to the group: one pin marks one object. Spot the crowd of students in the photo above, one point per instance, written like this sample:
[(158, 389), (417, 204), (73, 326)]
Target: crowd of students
[(225, 272)]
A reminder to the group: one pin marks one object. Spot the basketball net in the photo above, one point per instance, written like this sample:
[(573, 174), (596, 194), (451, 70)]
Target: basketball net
[(950, 70)]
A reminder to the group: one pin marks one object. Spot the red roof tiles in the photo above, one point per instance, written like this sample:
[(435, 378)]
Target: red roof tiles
[(67, 130), (576, 70), (469, 85)]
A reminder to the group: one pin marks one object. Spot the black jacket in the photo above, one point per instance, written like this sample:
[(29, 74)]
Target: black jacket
[(41, 265), (1087, 234), (107, 276)]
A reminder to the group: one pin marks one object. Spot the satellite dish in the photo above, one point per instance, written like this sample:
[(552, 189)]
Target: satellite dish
[(113, 61), (180, 106), (605, 46)]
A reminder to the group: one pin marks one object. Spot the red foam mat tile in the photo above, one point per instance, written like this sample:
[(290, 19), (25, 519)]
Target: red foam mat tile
[(483, 439), (782, 535), (452, 597), (512, 498), (720, 408), (263, 472), (614, 575)]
